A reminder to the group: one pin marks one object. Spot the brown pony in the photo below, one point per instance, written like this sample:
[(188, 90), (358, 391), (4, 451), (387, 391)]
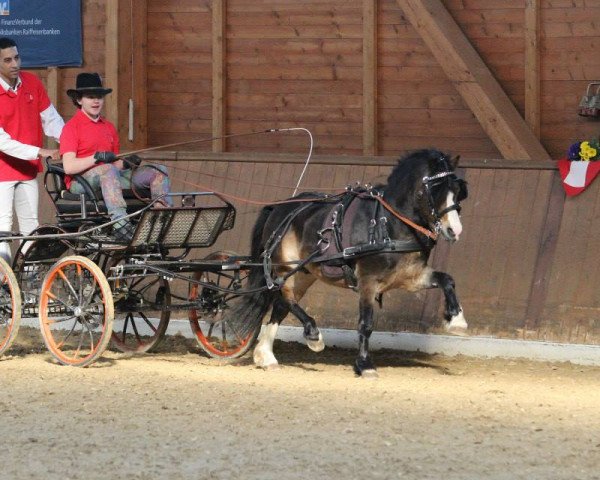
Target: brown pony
[(356, 241)]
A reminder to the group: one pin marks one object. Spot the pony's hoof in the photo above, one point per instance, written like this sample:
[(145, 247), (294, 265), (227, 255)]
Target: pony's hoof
[(316, 345), (273, 367), (369, 374), (365, 369), (457, 331), (264, 359), (457, 325)]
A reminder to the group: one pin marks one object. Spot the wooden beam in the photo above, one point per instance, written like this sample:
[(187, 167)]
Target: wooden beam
[(538, 293), (139, 74), (532, 65), (370, 77), (219, 74), (53, 89), (473, 80), (111, 60)]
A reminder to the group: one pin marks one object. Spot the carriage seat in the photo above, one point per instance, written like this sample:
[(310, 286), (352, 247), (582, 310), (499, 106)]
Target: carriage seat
[(70, 205)]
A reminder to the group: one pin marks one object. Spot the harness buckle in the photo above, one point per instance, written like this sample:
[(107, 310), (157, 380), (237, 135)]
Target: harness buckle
[(323, 240)]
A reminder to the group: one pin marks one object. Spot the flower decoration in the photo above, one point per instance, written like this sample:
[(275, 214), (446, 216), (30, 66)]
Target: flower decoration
[(587, 151)]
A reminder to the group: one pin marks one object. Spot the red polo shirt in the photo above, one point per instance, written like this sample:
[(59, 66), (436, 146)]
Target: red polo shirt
[(85, 137), (20, 118)]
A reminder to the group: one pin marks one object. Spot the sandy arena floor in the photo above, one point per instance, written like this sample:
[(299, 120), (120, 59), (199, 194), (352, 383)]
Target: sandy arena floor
[(178, 415)]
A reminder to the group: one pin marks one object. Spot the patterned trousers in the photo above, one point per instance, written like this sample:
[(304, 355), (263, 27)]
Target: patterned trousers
[(110, 182)]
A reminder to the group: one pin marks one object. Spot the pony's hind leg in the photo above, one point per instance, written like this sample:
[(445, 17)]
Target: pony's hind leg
[(263, 352), (454, 316), (292, 293)]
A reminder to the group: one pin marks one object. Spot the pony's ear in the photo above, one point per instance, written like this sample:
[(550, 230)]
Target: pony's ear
[(454, 162)]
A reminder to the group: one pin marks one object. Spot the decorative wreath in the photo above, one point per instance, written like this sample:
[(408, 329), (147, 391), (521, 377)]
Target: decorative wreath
[(588, 151)]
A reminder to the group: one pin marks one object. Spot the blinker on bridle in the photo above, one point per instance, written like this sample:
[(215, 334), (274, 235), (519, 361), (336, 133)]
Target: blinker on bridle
[(439, 179)]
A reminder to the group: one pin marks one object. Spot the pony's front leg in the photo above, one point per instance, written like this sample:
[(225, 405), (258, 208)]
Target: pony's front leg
[(454, 316), (363, 365)]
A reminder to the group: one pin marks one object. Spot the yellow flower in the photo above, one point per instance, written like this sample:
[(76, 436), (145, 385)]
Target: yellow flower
[(587, 152)]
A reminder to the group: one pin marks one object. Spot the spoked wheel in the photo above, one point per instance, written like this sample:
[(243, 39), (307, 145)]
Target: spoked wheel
[(208, 321), (141, 312), (76, 311), (10, 306)]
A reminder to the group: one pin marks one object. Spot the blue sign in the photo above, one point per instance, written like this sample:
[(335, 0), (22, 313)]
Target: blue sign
[(47, 32)]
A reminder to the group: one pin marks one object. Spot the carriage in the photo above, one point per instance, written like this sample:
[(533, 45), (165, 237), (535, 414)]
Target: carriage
[(87, 288)]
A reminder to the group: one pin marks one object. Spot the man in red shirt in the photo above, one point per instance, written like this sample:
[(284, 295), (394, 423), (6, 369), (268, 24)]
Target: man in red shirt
[(89, 145), (25, 114)]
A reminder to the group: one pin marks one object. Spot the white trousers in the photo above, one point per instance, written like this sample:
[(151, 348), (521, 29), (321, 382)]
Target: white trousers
[(24, 195)]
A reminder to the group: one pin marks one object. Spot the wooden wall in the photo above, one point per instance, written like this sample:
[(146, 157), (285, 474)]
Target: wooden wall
[(301, 64), (291, 63), (497, 264)]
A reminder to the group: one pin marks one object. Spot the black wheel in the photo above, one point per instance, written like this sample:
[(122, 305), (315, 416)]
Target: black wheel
[(10, 306), (209, 324), (141, 312), (76, 311)]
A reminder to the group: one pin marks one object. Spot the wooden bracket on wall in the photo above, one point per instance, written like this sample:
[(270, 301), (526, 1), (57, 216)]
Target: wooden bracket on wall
[(473, 80)]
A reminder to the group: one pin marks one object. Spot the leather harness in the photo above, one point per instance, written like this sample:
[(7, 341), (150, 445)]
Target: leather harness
[(338, 256)]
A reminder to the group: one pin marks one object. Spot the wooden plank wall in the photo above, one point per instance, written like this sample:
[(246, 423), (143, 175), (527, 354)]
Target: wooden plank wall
[(179, 71), (494, 263), (301, 63)]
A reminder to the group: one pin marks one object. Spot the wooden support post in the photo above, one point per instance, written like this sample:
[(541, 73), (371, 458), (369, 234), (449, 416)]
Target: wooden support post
[(111, 60), (370, 77), (53, 89), (219, 74), (545, 256), (532, 65), (133, 59), (473, 80)]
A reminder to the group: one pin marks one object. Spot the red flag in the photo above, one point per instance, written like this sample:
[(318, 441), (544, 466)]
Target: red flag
[(577, 175)]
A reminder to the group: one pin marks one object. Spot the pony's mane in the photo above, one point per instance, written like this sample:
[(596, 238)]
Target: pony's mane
[(414, 164)]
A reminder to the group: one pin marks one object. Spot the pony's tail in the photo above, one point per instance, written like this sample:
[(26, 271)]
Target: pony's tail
[(247, 312)]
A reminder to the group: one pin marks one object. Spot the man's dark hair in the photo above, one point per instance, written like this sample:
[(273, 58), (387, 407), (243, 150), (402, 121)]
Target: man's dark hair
[(6, 42)]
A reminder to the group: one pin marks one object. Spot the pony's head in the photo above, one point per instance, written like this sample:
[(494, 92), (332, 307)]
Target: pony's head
[(433, 189)]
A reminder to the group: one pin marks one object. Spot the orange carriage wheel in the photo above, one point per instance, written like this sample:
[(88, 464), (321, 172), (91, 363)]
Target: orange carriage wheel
[(141, 312), (209, 320), (76, 311), (10, 306)]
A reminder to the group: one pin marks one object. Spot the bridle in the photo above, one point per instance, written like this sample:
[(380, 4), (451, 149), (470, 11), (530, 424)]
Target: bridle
[(429, 183)]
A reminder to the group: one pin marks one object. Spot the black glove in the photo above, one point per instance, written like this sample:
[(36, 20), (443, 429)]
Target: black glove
[(131, 161), (105, 157)]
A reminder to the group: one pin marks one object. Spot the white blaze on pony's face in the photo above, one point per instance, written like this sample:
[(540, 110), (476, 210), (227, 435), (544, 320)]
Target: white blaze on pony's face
[(451, 224)]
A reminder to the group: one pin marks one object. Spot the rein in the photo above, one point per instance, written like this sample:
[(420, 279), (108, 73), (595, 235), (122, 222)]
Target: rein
[(407, 221), (427, 181)]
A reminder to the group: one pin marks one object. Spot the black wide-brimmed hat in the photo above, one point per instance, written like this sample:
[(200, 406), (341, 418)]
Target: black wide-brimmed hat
[(88, 83)]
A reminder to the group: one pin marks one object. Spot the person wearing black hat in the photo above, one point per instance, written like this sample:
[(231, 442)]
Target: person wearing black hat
[(26, 114), (89, 146)]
